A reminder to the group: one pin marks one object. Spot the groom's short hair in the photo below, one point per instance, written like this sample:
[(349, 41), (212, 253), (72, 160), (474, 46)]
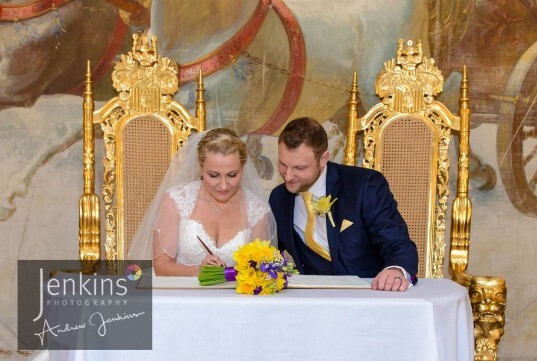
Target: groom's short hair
[(305, 131)]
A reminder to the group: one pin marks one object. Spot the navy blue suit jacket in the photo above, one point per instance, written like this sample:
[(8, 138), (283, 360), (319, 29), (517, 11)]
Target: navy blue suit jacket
[(378, 237)]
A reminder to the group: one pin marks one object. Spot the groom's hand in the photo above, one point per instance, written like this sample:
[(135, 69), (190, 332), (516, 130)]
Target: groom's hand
[(390, 279)]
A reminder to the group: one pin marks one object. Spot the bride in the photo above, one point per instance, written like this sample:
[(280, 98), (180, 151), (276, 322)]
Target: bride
[(209, 204)]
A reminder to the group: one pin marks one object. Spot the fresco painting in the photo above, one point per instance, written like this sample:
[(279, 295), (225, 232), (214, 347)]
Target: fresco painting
[(265, 62)]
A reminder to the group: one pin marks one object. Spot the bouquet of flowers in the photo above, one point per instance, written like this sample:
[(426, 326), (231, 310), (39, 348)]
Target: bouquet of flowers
[(260, 270)]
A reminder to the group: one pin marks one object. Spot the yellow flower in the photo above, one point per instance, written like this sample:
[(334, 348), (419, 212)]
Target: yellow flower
[(322, 207), (261, 268), (245, 288)]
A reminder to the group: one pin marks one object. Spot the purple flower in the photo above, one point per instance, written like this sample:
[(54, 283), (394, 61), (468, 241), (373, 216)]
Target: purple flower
[(258, 290), (269, 268)]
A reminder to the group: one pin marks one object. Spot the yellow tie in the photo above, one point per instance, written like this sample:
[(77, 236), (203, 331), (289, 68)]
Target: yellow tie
[(310, 228)]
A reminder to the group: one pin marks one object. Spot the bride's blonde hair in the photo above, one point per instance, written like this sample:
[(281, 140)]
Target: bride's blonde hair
[(221, 140)]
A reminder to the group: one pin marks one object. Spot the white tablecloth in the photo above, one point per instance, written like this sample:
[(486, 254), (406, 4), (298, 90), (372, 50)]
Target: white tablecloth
[(431, 321)]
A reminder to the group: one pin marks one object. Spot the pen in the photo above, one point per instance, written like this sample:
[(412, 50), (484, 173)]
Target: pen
[(205, 246)]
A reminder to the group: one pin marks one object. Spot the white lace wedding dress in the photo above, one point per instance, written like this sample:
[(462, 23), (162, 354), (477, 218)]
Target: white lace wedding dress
[(189, 249)]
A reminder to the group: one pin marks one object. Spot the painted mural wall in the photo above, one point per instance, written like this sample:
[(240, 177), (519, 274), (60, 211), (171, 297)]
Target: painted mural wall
[(266, 62)]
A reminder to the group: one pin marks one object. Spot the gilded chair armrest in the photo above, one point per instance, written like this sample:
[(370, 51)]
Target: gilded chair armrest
[(461, 278), (89, 230)]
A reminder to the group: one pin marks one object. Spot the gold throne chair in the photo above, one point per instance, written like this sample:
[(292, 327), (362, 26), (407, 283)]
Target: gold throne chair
[(142, 128), (406, 136)]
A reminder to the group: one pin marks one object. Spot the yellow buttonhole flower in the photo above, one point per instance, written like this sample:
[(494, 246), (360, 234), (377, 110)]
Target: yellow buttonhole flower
[(322, 207)]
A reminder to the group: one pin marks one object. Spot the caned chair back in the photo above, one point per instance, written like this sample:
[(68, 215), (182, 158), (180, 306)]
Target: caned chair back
[(407, 154), (142, 128)]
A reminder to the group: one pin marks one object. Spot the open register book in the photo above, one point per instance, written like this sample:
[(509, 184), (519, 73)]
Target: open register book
[(295, 281)]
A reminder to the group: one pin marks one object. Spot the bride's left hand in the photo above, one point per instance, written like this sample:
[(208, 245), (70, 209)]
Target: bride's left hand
[(212, 260)]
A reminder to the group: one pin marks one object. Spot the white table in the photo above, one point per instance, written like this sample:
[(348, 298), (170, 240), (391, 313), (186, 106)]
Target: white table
[(432, 321)]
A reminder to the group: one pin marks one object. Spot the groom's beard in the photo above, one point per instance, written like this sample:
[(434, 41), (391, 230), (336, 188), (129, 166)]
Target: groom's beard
[(306, 183), (306, 186)]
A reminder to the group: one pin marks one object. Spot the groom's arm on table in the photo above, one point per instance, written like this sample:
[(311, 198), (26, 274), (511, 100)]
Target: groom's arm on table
[(389, 233)]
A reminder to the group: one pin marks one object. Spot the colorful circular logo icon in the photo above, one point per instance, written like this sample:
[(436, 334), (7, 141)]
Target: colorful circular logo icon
[(133, 272)]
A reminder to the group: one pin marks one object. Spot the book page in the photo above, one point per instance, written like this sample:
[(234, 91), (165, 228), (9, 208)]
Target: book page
[(295, 281), (169, 282), (314, 281)]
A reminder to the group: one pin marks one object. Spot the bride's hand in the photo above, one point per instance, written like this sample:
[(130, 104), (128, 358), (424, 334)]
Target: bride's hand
[(212, 260)]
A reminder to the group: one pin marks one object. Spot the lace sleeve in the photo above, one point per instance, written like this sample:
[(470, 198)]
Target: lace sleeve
[(260, 218), (185, 197), (257, 208), (177, 203), (166, 229)]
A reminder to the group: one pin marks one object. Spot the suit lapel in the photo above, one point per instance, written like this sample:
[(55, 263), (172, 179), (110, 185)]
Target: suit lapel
[(289, 207), (332, 188)]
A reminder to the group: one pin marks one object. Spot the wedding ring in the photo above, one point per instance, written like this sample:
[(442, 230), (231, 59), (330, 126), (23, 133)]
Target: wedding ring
[(400, 279)]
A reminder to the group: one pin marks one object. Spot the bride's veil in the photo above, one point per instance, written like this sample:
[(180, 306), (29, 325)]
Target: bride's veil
[(184, 168)]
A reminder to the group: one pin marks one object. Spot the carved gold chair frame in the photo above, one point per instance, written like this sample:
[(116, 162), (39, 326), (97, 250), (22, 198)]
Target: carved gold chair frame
[(143, 127), (406, 136)]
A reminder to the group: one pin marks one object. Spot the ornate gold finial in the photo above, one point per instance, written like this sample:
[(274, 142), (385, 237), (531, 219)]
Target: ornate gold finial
[(144, 80), (200, 104), (464, 137), (410, 56), (352, 119), (144, 50), (409, 82)]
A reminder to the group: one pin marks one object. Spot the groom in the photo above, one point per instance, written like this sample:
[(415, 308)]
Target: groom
[(368, 236)]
